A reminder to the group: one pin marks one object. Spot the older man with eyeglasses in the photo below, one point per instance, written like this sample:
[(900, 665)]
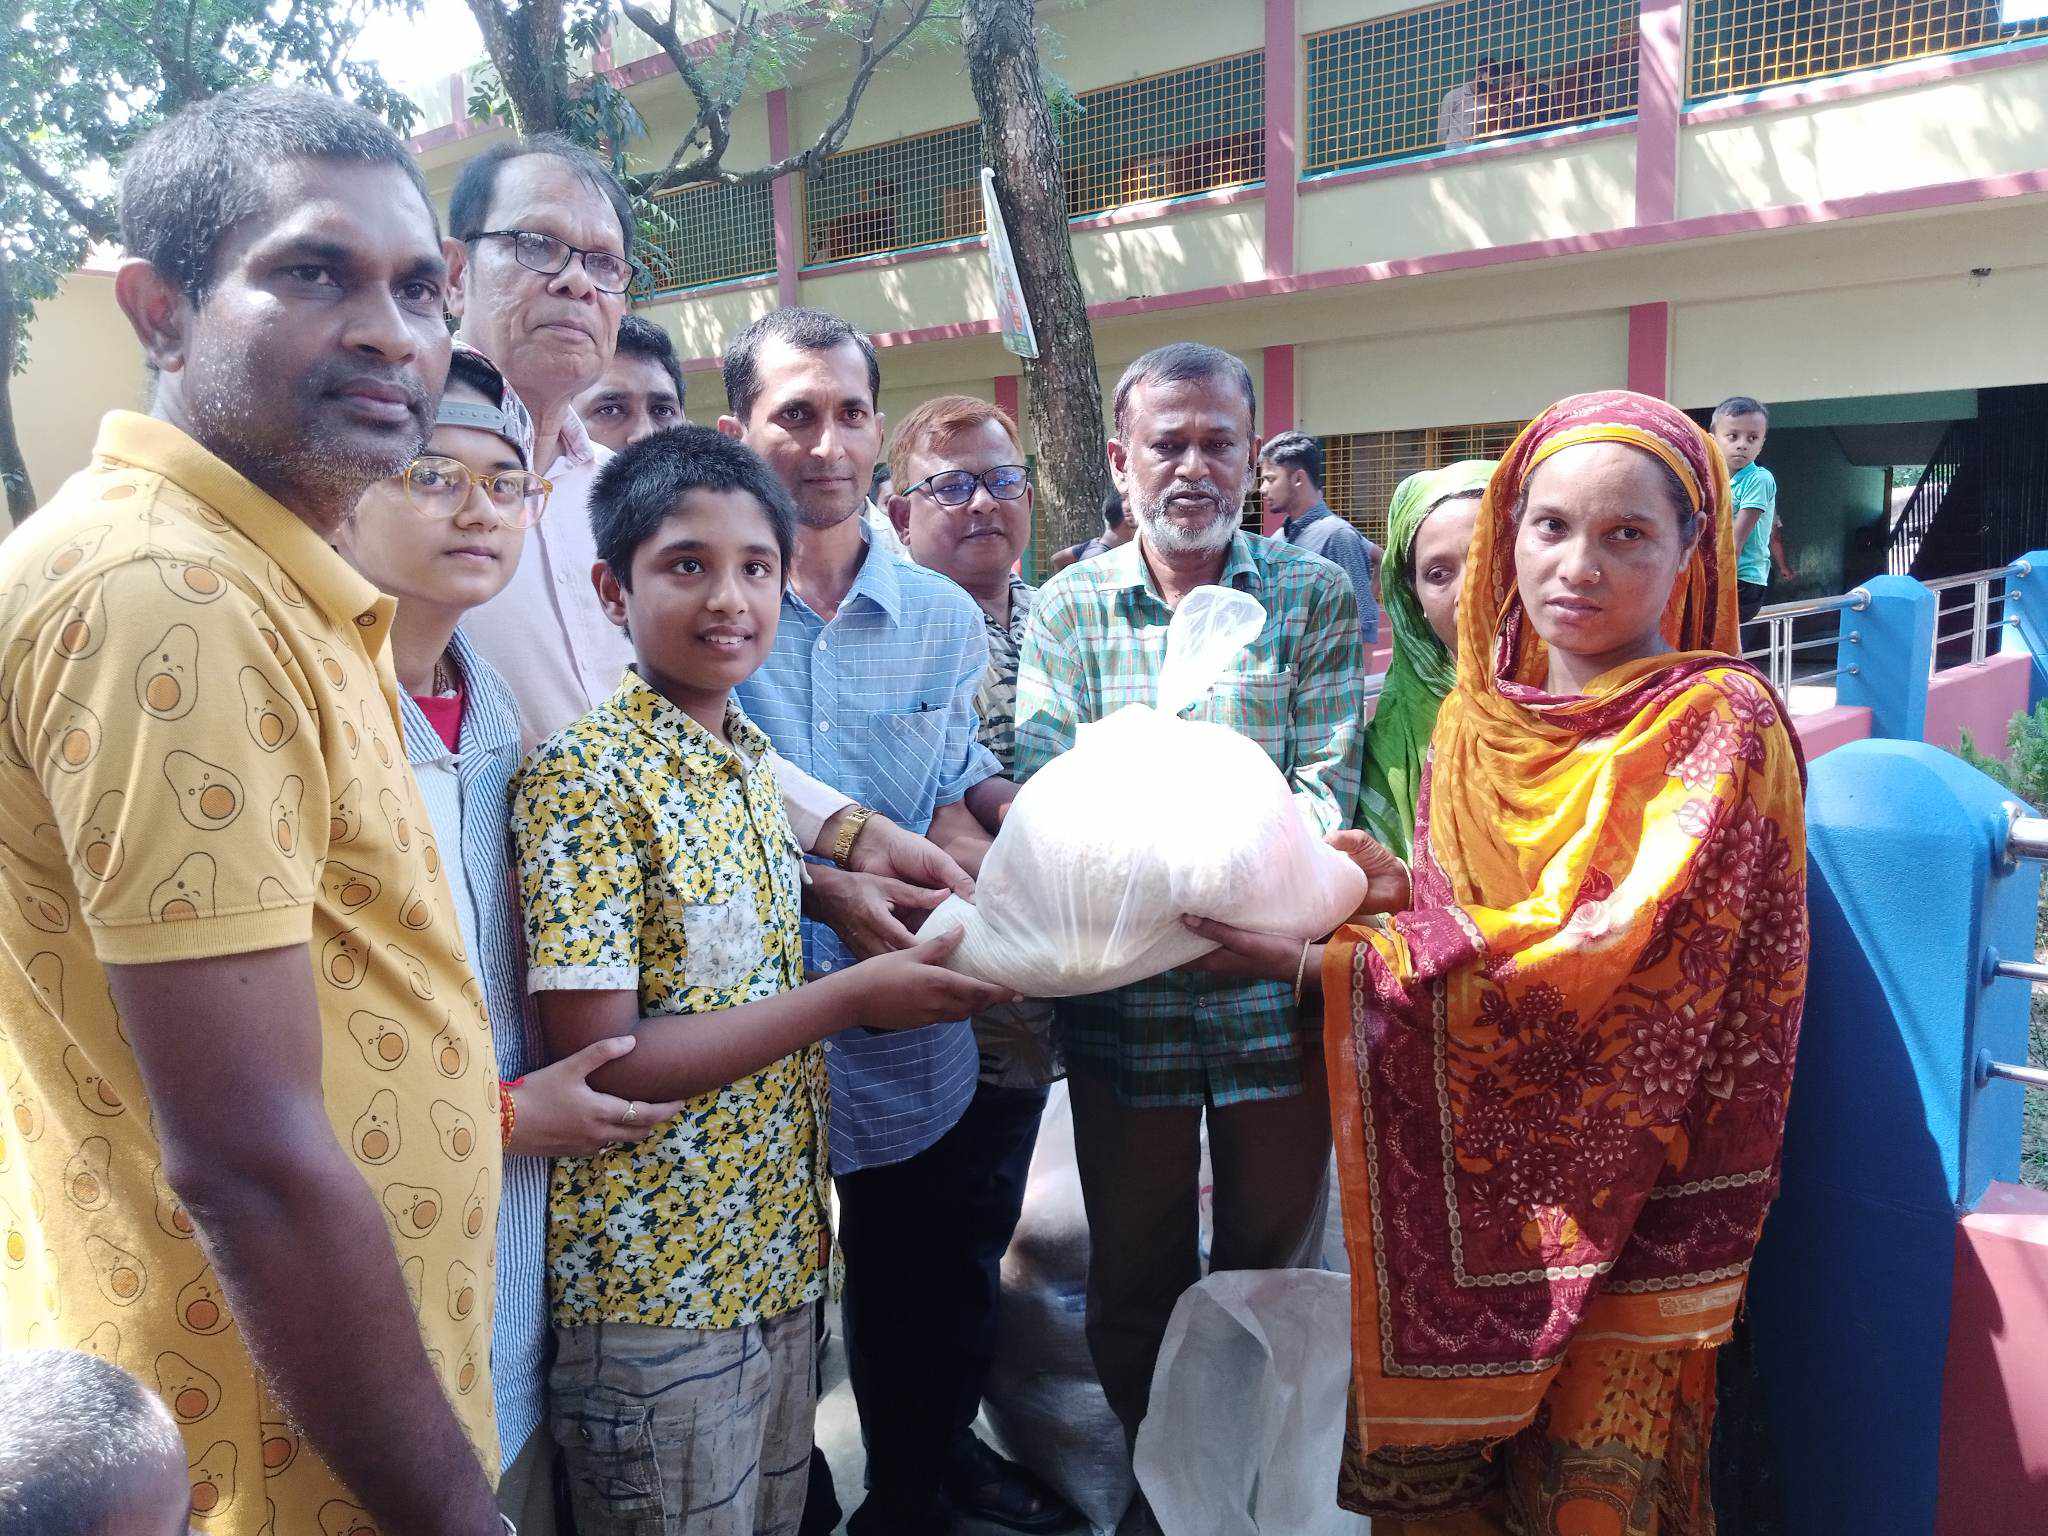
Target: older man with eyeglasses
[(539, 260), (539, 264)]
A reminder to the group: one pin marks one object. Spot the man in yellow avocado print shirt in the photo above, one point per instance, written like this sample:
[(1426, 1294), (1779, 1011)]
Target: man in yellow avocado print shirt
[(251, 1147)]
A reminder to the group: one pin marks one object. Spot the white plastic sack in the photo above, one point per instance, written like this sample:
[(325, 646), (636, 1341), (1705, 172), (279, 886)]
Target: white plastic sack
[(1245, 1427), (1147, 819)]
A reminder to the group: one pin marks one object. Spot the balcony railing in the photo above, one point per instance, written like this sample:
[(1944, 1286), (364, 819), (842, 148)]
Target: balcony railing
[(1446, 75), (710, 234), (1169, 135), (1192, 130), (1746, 45)]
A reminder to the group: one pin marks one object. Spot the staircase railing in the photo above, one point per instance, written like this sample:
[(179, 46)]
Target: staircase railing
[(1910, 528)]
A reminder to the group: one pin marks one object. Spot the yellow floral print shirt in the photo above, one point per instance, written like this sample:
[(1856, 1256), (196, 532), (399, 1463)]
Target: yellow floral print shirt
[(654, 859), (202, 756)]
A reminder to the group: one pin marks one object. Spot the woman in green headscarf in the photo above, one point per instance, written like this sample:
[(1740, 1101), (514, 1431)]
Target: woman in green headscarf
[(1429, 525)]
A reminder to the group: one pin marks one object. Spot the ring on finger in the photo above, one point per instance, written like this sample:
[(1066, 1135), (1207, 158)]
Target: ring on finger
[(632, 1114)]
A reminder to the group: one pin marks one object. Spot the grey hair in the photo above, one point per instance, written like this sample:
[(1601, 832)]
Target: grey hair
[(74, 1430), (1183, 362)]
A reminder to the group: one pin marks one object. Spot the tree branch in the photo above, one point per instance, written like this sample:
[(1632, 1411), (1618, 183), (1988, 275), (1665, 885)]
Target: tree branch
[(92, 219), (714, 114)]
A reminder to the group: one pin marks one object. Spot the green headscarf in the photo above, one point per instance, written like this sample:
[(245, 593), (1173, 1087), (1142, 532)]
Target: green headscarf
[(1422, 670)]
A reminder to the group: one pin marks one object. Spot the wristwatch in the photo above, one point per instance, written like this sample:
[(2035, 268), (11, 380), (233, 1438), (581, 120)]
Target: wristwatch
[(849, 834)]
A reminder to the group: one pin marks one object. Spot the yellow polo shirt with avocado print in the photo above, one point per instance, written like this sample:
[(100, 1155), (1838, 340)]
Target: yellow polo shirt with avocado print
[(202, 756)]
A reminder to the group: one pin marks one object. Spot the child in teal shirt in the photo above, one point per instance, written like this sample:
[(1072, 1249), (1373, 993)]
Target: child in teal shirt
[(1740, 426)]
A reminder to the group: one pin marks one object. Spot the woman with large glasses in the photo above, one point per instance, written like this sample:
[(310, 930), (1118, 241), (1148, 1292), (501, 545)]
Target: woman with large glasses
[(442, 536)]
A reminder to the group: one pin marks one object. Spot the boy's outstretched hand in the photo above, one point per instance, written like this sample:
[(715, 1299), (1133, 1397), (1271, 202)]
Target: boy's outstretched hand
[(556, 1113), (912, 988)]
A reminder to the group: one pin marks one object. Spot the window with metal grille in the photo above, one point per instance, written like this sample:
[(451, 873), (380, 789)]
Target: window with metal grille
[(1465, 72), (709, 234), (894, 196), (1362, 469), (1190, 130), (1744, 45)]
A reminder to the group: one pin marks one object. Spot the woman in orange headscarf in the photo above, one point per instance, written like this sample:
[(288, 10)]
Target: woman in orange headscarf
[(1558, 1074)]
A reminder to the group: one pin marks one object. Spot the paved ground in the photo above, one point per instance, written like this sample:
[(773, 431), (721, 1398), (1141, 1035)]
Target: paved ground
[(838, 1435)]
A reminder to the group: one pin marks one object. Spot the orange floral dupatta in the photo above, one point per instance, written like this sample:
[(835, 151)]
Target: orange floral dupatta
[(1559, 1081)]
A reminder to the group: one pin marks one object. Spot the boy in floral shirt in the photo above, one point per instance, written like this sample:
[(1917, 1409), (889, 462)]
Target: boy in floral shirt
[(662, 888)]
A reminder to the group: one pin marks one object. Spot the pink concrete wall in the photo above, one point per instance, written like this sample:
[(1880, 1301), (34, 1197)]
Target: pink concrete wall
[(1826, 729), (1994, 1399), (1982, 699)]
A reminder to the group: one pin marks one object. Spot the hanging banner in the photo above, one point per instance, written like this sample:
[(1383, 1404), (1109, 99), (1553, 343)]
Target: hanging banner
[(1011, 314)]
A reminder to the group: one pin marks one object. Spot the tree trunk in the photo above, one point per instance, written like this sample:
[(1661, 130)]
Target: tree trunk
[(21, 493), (525, 46), (1065, 385)]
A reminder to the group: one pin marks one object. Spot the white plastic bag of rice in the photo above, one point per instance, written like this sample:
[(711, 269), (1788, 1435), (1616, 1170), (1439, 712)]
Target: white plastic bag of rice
[(1147, 819)]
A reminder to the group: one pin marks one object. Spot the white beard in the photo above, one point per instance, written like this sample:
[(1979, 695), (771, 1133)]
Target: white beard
[(1173, 538)]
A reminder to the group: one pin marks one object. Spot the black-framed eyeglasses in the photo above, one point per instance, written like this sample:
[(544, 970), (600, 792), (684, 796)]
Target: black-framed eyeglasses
[(545, 254), (955, 487), (439, 487)]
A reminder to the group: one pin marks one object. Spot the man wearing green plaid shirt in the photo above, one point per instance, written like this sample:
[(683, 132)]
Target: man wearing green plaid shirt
[(1147, 1061)]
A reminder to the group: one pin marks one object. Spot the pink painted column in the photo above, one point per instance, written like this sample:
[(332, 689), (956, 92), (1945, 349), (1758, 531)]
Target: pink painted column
[(1005, 391), (1660, 69), (782, 195), (1283, 164), (1277, 387), (1649, 349)]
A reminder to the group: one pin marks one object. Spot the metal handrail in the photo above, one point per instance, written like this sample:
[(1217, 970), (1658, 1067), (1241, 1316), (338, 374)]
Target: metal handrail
[(1775, 658), (1994, 573), (2012, 1072), (1978, 607), (2026, 837), (1857, 598)]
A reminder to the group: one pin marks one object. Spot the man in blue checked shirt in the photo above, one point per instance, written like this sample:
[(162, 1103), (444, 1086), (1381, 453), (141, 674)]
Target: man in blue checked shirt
[(871, 688)]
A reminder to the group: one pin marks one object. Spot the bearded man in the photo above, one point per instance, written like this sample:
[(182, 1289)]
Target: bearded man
[(1146, 1062)]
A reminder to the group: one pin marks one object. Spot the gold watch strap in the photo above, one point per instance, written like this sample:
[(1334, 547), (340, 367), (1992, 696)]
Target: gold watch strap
[(849, 834)]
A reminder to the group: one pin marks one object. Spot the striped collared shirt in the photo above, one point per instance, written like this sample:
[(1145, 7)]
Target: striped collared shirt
[(468, 797), (1095, 643), (879, 703)]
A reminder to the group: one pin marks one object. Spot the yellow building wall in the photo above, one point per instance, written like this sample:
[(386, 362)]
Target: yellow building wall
[(703, 323), (1991, 123), (1566, 188), (83, 361), (1446, 378), (1200, 248), (1948, 332), (1203, 248)]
